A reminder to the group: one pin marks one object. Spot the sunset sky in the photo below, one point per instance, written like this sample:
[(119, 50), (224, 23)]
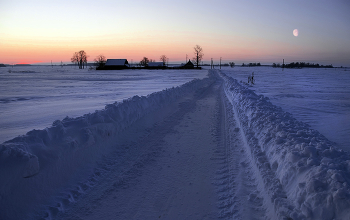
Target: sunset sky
[(38, 31)]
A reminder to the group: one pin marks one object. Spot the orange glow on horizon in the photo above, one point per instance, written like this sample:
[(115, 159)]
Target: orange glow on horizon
[(236, 50)]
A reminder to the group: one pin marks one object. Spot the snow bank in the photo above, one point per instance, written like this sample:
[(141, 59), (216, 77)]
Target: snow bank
[(34, 166), (302, 172)]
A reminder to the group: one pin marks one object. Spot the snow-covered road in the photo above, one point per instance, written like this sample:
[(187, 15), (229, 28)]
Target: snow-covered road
[(210, 149), (171, 178)]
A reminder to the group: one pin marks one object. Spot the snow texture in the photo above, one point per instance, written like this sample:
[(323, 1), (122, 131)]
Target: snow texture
[(303, 173), (316, 96), (33, 97), (57, 151)]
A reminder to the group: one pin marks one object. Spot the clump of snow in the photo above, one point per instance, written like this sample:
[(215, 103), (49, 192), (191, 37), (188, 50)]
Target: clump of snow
[(304, 174), (34, 166)]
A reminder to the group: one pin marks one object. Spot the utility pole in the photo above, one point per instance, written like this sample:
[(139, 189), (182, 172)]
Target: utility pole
[(220, 62), (186, 59)]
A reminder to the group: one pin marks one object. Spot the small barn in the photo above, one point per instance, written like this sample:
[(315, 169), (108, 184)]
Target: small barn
[(116, 64), (188, 65), (155, 65)]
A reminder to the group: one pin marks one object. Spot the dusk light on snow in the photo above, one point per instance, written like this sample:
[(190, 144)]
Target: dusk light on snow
[(174, 110)]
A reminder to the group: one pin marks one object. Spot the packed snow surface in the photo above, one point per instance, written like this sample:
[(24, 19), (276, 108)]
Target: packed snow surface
[(211, 148)]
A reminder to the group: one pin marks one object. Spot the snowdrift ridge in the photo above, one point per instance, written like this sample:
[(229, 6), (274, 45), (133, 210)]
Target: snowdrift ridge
[(304, 174)]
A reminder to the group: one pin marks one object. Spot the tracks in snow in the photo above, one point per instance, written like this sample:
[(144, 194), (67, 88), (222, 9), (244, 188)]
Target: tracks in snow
[(237, 189), (160, 160), (167, 167)]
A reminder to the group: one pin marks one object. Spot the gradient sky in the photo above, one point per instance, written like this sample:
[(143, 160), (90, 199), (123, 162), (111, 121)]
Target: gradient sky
[(38, 31)]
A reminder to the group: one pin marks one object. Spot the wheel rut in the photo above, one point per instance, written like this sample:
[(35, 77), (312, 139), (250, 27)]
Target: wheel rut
[(235, 181)]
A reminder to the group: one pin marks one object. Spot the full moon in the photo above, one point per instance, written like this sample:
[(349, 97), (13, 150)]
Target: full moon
[(295, 32)]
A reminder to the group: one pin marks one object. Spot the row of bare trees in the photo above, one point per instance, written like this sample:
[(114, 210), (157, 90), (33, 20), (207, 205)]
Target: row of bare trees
[(145, 60), (80, 58), (198, 52)]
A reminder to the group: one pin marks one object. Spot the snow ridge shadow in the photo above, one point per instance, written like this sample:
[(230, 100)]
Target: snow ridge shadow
[(235, 181), (43, 163), (299, 168)]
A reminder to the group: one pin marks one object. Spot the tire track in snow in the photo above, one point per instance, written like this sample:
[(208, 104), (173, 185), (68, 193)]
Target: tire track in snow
[(119, 173), (271, 190), (238, 196)]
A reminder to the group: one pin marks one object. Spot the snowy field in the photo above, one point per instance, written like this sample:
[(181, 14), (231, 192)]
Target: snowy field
[(34, 97), (210, 148), (318, 97)]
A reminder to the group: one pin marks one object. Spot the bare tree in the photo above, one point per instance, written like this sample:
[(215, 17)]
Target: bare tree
[(100, 60), (80, 58), (163, 58), (144, 61), (75, 58), (198, 52), (232, 64)]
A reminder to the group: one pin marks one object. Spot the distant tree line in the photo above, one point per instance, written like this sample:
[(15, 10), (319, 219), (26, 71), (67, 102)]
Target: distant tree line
[(80, 58), (251, 64), (274, 65), (301, 65)]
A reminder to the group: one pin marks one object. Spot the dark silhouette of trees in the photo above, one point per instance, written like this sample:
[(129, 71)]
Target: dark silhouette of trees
[(232, 64), (251, 64), (100, 61), (303, 64), (80, 58), (75, 58), (163, 58), (144, 61), (198, 52), (254, 64)]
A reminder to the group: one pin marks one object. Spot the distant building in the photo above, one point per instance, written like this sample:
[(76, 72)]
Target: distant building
[(113, 64), (155, 65), (188, 65)]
